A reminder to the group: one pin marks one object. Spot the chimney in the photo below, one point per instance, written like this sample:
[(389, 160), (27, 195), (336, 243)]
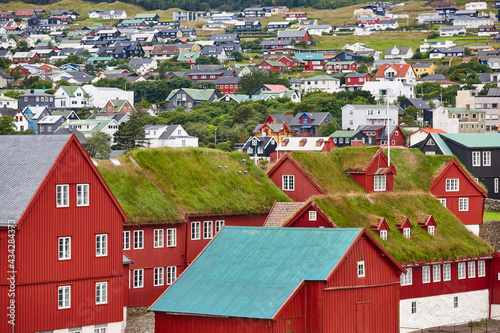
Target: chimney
[(288, 113)]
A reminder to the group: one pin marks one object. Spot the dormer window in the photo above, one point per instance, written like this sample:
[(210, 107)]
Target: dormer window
[(302, 143), (254, 142), (407, 232), (383, 234), (431, 230)]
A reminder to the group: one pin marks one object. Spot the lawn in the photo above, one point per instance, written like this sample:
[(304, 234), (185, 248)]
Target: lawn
[(491, 216), (378, 41)]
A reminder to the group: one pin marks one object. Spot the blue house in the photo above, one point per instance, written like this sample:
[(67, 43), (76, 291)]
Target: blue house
[(309, 123), (34, 114)]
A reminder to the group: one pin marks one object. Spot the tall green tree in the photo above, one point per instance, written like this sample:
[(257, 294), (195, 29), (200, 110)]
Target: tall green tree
[(7, 125), (99, 145), (130, 134)]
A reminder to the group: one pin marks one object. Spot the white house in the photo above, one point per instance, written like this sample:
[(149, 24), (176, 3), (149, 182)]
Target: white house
[(389, 90), (453, 30), (427, 46), (142, 66), (472, 22), (8, 102), (398, 52), (320, 82), (70, 97), (90, 126), (99, 96), (7, 42), (476, 6), (319, 30), (33, 39), (354, 116), (169, 136)]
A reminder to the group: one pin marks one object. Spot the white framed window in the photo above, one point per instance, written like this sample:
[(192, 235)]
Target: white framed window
[(495, 185), (64, 248), (171, 237), (207, 229), (138, 278), (361, 268), (463, 204), (126, 240), (455, 302), (436, 273), (413, 307), (471, 269), (407, 232), (486, 158), (171, 274), (158, 278), (426, 274), (446, 272), (313, 215), (407, 279), (82, 194), (379, 183), (431, 230), (158, 238), (101, 245), (383, 234), (64, 297), (476, 158), (138, 239), (288, 183), (443, 202), (195, 230), (452, 184), (461, 270), (101, 293), (62, 195), (219, 225), (481, 268)]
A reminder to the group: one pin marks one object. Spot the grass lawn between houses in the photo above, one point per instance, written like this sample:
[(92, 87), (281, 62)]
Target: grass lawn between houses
[(491, 216)]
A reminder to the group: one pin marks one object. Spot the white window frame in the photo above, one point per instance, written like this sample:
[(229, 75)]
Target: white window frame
[(288, 183), (495, 185), (219, 225), (476, 158), (62, 195), (207, 229), (171, 237), (195, 230), (361, 269), (481, 268), (138, 278), (138, 239), (436, 273), (463, 204), (461, 270), (431, 230), (159, 279), (407, 232), (126, 240), (426, 274), (486, 158), (442, 201), (407, 279), (64, 244), (64, 297), (447, 272), (82, 195), (101, 245), (171, 274), (471, 269), (379, 183), (383, 234), (158, 238), (101, 293), (452, 185), (313, 215)]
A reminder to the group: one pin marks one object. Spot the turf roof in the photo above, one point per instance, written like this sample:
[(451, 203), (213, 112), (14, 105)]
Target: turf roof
[(451, 241), (191, 180)]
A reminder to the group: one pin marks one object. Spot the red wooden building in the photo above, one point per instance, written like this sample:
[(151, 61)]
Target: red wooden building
[(377, 176), (285, 280), (342, 66), (67, 227), (363, 20), (297, 215), (378, 133), (295, 15), (270, 65), (290, 61)]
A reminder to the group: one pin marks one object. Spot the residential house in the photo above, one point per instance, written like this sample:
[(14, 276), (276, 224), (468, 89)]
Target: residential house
[(398, 52), (243, 308), (270, 88), (148, 17), (189, 98), (295, 35), (215, 51), (277, 44), (377, 135), (142, 66), (168, 136), (312, 61), (81, 223), (388, 24), (70, 97), (346, 56), (292, 16), (118, 106), (8, 102), (472, 22), (36, 99), (355, 116), (25, 57), (189, 57), (90, 126), (429, 45), (323, 83), (21, 122), (256, 12), (309, 123), (310, 143), (269, 66), (99, 96), (487, 30), (349, 138), (421, 134), (272, 26), (5, 79), (278, 10), (341, 66), (459, 120), (259, 148), (35, 113), (225, 38), (389, 90), (319, 30), (247, 26), (402, 73), (446, 12), (476, 5), (425, 118), (452, 30), (25, 13), (275, 126), (227, 85), (488, 103), (161, 52), (49, 124), (424, 68), (355, 81), (185, 16)]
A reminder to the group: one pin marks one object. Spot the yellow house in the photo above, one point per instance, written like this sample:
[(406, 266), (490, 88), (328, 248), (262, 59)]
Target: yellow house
[(424, 67), (276, 126), (188, 47)]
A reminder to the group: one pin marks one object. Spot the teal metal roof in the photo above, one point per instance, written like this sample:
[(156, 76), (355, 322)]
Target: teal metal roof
[(343, 134), (475, 140), (440, 142), (251, 272), (309, 56)]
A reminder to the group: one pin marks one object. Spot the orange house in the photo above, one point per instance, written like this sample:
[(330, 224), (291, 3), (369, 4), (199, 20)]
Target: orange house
[(275, 125), (118, 106)]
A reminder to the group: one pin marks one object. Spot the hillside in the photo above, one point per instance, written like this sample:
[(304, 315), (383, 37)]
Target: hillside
[(451, 241)]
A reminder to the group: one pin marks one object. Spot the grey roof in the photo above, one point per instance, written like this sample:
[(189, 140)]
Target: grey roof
[(486, 77), (276, 42), (317, 118), (402, 50), (8, 112), (423, 64), (493, 92), (433, 77), (228, 80), (451, 27), (418, 103), (224, 37), (354, 75), (22, 152), (388, 21), (126, 260), (291, 33), (261, 142)]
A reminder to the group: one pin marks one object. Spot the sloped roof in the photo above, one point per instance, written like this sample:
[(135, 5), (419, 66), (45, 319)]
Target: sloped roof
[(196, 94), (475, 140), (401, 69), (281, 212), (268, 265), (22, 152), (316, 117), (343, 134)]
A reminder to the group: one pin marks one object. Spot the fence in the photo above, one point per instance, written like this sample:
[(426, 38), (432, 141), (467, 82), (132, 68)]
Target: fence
[(483, 326)]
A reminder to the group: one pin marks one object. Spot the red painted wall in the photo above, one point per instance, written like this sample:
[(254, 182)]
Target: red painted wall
[(304, 189), (292, 318), (39, 272), (495, 281), (303, 220)]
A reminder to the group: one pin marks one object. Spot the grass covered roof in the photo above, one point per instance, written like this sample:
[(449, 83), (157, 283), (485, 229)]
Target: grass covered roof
[(451, 241), (191, 181)]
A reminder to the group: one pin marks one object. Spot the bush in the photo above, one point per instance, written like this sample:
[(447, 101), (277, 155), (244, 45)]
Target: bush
[(211, 145), (201, 145)]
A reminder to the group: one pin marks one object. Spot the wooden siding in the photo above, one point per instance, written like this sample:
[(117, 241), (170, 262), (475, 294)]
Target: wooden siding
[(292, 318), (303, 221)]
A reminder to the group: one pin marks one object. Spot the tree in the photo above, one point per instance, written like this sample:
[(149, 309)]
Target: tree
[(130, 134), (467, 51), (433, 35), (251, 81), (410, 114), (204, 60), (237, 56), (99, 145), (7, 125), (362, 68), (328, 129)]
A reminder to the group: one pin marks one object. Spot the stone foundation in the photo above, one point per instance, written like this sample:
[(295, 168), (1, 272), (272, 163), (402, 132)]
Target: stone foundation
[(490, 232), (137, 311), (492, 205)]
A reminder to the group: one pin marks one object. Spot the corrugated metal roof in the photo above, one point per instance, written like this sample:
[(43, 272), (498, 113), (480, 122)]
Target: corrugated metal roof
[(251, 272), (475, 140), (440, 142)]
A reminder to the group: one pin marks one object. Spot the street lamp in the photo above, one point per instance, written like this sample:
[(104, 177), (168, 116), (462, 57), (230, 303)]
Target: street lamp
[(215, 140)]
